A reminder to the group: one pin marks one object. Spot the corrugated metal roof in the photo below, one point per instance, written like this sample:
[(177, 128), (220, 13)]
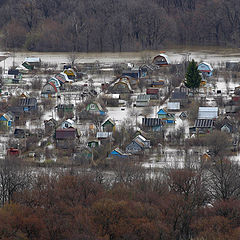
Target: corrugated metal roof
[(33, 59), (104, 134), (143, 97), (179, 95), (28, 102), (66, 133), (151, 122), (173, 105), (203, 123), (207, 112)]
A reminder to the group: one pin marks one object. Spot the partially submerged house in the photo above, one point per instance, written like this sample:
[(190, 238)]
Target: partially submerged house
[(65, 138), (166, 117), (152, 124), (138, 144), (95, 108), (21, 133), (108, 125), (178, 96), (49, 90), (202, 126), (65, 108), (121, 86), (161, 60), (206, 69), (33, 61), (28, 104), (6, 121), (71, 74), (69, 123), (118, 153)]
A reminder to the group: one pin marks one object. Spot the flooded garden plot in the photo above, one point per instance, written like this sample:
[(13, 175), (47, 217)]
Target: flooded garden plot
[(103, 72)]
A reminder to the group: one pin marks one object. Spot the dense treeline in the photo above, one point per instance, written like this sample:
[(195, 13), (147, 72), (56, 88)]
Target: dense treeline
[(172, 204), (126, 25)]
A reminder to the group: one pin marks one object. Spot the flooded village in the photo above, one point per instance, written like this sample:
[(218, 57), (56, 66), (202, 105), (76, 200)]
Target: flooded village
[(75, 109)]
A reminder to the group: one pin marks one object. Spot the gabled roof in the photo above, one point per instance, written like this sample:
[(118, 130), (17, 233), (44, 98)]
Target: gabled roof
[(161, 111), (55, 81), (203, 123), (123, 80), (164, 56), (54, 86), (151, 122), (206, 64), (69, 121), (109, 120)]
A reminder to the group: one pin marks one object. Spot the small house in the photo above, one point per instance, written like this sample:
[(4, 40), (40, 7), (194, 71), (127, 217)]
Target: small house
[(180, 97), (50, 125), (71, 74), (166, 117), (152, 124), (28, 104), (95, 108), (6, 121), (33, 61), (161, 60), (138, 144), (69, 123), (183, 115), (203, 125), (66, 108), (55, 82), (142, 100), (64, 134), (206, 69), (108, 125), (133, 73), (153, 93), (121, 86), (103, 135), (13, 152), (118, 153), (227, 127), (65, 138), (20, 133), (158, 84), (162, 114), (92, 143), (208, 112), (49, 90), (61, 77)]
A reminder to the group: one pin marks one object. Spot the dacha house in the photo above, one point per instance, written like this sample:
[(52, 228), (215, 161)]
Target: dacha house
[(206, 69), (161, 60)]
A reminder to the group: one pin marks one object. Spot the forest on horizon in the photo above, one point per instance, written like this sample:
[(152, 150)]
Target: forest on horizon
[(126, 25)]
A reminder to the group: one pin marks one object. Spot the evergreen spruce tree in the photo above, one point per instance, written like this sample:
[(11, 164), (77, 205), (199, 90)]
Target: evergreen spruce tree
[(193, 77)]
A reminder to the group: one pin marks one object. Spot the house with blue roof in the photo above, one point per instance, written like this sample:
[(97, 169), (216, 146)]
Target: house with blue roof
[(166, 117), (6, 121), (118, 153)]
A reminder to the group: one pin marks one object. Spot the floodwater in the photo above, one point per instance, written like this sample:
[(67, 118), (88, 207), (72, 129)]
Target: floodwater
[(213, 55)]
